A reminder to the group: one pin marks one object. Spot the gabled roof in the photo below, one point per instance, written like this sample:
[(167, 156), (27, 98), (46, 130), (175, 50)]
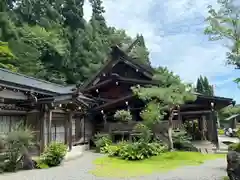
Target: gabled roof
[(122, 57), (16, 80)]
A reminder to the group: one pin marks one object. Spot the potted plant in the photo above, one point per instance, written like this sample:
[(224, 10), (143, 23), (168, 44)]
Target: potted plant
[(123, 116)]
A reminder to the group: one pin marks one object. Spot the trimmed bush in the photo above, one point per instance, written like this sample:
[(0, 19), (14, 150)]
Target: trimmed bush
[(234, 147), (102, 140), (134, 151), (221, 132), (181, 141), (53, 155)]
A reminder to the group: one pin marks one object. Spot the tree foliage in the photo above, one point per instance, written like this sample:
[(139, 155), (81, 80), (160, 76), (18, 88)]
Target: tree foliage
[(203, 86), (224, 24), (50, 39), (229, 111), (167, 96)]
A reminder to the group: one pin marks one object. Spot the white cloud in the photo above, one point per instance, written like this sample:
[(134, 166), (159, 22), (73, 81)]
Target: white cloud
[(132, 17), (189, 54)]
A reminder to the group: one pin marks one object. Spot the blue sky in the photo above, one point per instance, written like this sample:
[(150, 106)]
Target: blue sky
[(173, 32)]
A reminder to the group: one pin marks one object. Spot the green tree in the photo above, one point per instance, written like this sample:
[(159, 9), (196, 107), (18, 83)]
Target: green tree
[(229, 111), (51, 40), (224, 24), (140, 51), (203, 86), (166, 97), (6, 57)]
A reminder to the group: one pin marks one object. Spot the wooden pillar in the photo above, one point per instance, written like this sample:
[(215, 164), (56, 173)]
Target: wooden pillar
[(218, 120), (49, 126), (43, 119), (179, 116), (70, 118), (84, 129), (214, 126), (202, 127), (66, 131)]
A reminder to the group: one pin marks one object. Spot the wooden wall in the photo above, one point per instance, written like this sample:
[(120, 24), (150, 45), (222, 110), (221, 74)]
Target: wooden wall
[(9, 122)]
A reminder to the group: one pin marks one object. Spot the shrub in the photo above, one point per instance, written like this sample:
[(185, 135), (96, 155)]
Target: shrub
[(16, 145), (145, 133), (181, 141), (238, 133), (113, 150), (140, 151), (53, 154), (123, 116), (221, 132), (102, 140), (41, 165), (234, 147)]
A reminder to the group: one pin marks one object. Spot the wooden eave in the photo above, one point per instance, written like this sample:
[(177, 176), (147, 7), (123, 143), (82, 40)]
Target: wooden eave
[(8, 94), (25, 83), (23, 88), (219, 102), (65, 99), (116, 78), (113, 60), (112, 103)]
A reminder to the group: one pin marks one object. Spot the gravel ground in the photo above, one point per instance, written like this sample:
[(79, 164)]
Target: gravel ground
[(78, 170)]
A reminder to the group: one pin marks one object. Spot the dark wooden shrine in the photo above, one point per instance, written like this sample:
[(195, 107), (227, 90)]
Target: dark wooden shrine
[(49, 109), (111, 88), (73, 115)]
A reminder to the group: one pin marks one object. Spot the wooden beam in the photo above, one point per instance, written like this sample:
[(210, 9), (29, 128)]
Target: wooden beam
[(12, 112), (195, 112), (113, 102), (99, 85), (9, 94), (193, 106)]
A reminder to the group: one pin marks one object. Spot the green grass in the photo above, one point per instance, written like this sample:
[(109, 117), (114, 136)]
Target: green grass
[(225, 178), (114, 167)]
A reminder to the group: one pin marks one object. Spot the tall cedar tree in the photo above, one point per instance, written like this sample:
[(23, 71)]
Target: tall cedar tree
[(166, 97), (51, 40), (225, 24), (204, 87)]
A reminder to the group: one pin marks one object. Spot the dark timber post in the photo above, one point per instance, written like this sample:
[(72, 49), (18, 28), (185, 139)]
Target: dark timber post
[(214, 125), (70, 115), (49, 126), (66, 131), (43, 118)]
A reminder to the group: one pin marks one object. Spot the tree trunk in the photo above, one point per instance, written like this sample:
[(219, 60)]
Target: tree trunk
[(170, 124)]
